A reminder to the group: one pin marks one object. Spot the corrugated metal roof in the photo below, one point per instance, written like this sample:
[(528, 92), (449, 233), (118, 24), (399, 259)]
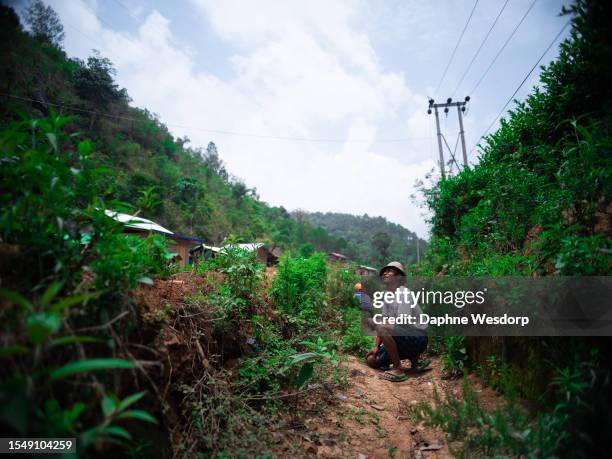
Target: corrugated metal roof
[(210, 247), (137, 222), (251, 246), (369, 268)]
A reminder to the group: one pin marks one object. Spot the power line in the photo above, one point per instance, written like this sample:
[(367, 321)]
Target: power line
[(524, 80), (502, 48), (484, 40), (213, 131), (456, 46)]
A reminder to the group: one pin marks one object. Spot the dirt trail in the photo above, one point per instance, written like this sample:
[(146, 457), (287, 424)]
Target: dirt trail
[(372, 418)]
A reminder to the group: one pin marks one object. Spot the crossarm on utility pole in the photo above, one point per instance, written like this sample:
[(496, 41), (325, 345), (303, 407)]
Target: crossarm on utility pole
[(460, 109)]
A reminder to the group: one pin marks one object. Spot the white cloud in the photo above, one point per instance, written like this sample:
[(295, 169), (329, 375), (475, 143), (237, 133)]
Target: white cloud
[(302, 69)]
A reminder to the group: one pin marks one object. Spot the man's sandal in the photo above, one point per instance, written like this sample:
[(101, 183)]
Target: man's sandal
[(389, 376), (423, 366)]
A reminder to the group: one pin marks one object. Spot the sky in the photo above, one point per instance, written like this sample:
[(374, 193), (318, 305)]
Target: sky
[(319, 105)]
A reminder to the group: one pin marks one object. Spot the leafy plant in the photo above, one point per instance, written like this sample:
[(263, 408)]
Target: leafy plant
[(298, 288), (68, 260), (454, 358), (113, 411), (354, 341)]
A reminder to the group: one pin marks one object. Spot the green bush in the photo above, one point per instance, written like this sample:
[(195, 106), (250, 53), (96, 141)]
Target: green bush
[(298, 288), (536, 198), (566, 430), (60, 278), (454, 358), (353, 339)]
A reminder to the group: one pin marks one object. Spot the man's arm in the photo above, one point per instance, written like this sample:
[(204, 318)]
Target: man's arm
[(375, 348)]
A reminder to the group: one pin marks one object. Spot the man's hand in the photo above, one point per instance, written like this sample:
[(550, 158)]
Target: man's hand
[(373, 351)]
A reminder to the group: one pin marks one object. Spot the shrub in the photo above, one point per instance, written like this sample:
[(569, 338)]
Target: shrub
[(53, 226), (298, 288), (353, 340)]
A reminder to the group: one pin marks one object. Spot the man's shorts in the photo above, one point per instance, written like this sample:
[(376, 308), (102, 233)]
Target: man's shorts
[(408, 347)]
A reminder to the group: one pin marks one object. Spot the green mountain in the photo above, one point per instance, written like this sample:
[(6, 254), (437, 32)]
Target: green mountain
[(370, 240)]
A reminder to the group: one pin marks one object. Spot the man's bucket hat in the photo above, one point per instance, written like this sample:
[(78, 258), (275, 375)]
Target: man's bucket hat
[(394, 264)]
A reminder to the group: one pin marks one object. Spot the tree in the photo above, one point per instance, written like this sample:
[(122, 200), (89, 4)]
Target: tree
[(239, 190), (213, 162), (94, 81), (44, 23), (381, 242), (306, 250)]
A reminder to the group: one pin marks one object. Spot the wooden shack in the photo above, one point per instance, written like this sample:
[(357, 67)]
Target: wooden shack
[(177, 243), (265, 255), (334, 257), (362, 270)]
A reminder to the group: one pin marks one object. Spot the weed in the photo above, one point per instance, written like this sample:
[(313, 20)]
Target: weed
[(454, 358)]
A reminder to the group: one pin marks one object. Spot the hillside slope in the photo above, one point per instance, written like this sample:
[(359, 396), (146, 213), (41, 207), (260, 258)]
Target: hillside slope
[(367, 239), (183, 187)]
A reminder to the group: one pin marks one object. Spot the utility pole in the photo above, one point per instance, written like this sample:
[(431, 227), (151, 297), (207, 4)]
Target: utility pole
[(460, 110), (439, 140), (462, 132)]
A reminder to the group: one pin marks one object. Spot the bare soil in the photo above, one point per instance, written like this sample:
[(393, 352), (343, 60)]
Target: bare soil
[(374, 418)]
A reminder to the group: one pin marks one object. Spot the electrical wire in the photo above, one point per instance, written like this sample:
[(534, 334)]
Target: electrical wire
[(456, 47), (523, 82), (484, 40), (214, 131), (502, 48)]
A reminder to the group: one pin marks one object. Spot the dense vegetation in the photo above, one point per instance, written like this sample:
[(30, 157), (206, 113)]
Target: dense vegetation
[(73, 320), (370, 240), (538, 203), (93, 343)]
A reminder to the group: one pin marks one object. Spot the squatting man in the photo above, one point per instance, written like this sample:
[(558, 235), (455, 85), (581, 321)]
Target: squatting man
[(396, 342)]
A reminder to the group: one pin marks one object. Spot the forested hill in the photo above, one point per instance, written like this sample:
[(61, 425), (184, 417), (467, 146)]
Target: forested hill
[(373, 240), (181, 186)]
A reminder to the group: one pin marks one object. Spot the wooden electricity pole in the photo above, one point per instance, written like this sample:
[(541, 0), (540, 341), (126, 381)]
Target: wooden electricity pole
[(460, 110)]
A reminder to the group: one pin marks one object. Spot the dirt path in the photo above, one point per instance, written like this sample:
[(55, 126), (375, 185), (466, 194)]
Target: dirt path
[(373, 418)]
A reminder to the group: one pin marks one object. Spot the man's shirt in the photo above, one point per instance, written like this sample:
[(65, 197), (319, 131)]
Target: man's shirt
[(397, 308)]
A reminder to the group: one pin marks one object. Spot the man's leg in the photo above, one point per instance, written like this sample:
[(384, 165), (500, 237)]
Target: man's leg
[(391, 347), (373, 361)]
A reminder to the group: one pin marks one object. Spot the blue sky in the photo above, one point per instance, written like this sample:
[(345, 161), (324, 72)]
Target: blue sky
[(356, 73)]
